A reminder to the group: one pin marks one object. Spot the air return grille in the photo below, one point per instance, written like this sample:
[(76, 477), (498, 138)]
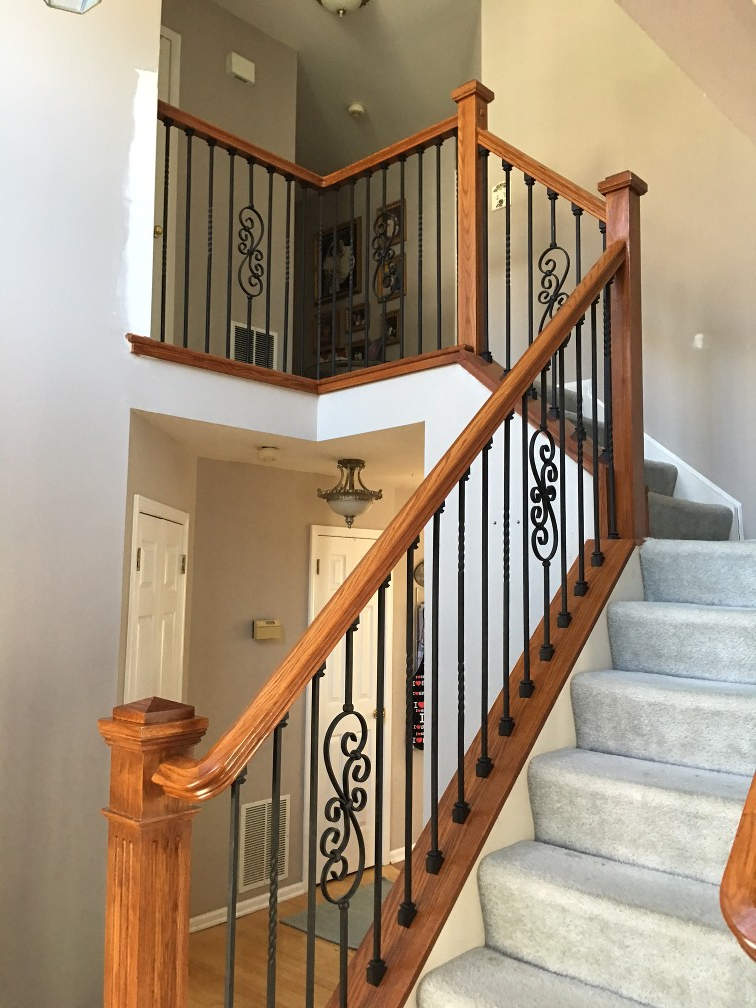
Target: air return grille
[(255, 847), (253, 347)]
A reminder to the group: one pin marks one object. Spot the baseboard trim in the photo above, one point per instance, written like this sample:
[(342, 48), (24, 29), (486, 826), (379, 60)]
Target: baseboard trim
[(215, 917)]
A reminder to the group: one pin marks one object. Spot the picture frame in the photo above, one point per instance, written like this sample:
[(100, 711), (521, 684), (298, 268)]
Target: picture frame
[(354, 319), (392, 218), (391, 278), (392, 328), (338, 261), (324, 340)]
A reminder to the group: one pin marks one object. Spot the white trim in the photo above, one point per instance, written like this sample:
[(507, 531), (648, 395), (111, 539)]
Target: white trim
[(215, 917), (143, 505), (397, 856), (174, 80)]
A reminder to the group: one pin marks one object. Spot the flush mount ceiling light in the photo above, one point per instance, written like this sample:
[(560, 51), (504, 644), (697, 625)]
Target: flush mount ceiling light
[(345, 498), (342, 7), (74, 6)]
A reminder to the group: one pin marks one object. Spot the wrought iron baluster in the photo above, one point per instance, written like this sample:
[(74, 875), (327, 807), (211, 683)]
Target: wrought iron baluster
[(527, 686), (507, 268), (597, 557), (275, 843), (403, 261), (189, 133), (544, 537), (230, 247), (506, 721), (287, 280), (530, 182), (581, 585), (461, 808), (334, 278), (167, 123), (366, 352), (439, 335), (312, 834), (420, 251), (483, 156), (376, 969), (435, 858), (303, 285), (565, 616), (408, 908), (319, 289), (251, 272), (608, 452), (484, 762), (209, 265), (269, 362), (554, 267), (350, 292), (233, 891)]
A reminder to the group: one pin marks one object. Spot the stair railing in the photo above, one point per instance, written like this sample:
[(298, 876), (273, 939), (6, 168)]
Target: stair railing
[(155, 778), (737, 893)]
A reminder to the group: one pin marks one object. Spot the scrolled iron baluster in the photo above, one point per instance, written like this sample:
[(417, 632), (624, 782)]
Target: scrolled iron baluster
[(251, 271), (386, 282), (553, 265), (544, 537)]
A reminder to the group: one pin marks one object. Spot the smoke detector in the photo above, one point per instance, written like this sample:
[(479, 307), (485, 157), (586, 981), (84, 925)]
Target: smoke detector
[(357, 110), (267, 455)]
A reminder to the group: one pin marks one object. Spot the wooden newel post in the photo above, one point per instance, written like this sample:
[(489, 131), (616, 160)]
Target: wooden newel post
[(623, 193), (149, 839), (472, 115)]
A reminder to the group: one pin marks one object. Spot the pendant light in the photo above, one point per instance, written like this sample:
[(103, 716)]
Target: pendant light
[(345, 498)]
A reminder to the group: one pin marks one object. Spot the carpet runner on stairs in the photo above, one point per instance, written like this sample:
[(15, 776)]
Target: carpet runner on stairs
[(615, 903)]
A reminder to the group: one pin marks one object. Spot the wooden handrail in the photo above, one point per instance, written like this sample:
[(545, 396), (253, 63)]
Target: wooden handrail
[(593, 205), (202, 779), (737, 893)]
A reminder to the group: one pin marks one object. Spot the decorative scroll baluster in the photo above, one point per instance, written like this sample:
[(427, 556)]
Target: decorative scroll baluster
[(597, 557), (435, 858), (544, 537), (188, 233), (553, 265), (527, 686), (251, 271), (484, 762), (312, 834), (386, 279), (287, 280), (269, 362), (408, 909), (461, 808), (506, 721), (439, 334), (581, 585), (420, 251), (209, 266), (275, 843), (233, 890), (507, 267), (164, 242), (230, 247), (376, 969), (486, 354), (341, 810)]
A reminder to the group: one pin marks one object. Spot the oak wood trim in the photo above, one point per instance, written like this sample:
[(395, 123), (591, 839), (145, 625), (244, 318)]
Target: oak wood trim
[(393, 369), (623, 192), (202, 779), (737, 893), (393, 153), (145, 346), (229, 142), (405, 950), (472, 114), (553, 180)]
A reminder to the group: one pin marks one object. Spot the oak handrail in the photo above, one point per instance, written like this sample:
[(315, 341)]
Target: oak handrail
[(201, 779), (593, 205), (737, 893)]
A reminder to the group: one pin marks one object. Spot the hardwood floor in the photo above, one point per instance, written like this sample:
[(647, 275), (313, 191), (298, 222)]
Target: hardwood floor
[(207, 960)]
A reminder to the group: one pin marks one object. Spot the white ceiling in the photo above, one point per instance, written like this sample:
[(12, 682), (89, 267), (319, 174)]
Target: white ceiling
[(393, 457), (400, 58)]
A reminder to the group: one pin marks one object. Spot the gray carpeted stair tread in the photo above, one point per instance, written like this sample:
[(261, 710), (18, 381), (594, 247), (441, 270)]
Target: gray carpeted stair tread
[(645, 934), (636, 811), (684, 639), (704, 573), (483, 978), (675, 518), (668, 719), (660, 477)]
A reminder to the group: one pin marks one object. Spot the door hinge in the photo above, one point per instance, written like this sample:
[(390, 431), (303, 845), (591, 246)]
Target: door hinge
[(139, 558), (317, 566), (183, 563)]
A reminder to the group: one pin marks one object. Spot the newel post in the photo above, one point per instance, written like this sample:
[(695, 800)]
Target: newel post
[(149, 839), (623, 193), (472, 115)]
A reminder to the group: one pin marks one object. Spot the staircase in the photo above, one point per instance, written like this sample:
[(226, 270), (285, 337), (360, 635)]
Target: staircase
[(615, 902)]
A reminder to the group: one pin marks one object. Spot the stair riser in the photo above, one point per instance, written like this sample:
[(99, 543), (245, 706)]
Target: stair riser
[(701, 573), (696, 643), (639, 825), (654, 958)]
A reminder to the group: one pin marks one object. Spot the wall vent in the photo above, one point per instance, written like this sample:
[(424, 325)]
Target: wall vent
[(255, 347), (255, 846)]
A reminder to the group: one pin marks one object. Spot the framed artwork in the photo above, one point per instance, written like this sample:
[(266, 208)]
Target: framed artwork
[(391, 278), (354, 321), (389, 222), (338, 261), (393, 327), (324, 339)]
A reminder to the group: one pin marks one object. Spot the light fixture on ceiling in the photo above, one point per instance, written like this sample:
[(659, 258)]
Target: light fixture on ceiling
[(345, 498), (267, 454), (74, 6), (342, 7)]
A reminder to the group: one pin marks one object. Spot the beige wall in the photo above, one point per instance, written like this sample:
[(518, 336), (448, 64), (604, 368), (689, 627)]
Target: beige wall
[(580, 87), (251, 560)]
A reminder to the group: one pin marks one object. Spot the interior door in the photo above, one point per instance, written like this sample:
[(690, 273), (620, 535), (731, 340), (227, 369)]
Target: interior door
[(335, 555), (155, 645), (168, 88)]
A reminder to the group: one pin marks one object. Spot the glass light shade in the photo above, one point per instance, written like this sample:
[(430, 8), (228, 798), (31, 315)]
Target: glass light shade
[(346, 499), (342, 7), (74, 6)]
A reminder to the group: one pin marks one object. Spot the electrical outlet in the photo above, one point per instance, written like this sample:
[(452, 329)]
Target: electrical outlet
[(499, 196)]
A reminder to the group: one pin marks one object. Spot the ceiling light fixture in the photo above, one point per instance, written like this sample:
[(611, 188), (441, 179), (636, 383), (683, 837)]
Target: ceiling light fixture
[(74, 6), (345, 498), (342, 7)]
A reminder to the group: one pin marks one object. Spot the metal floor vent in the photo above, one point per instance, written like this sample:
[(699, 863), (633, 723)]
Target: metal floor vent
[(255, 846), (255, 347)]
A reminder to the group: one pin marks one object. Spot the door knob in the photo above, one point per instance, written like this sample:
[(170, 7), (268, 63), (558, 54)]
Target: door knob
[(383, 714)]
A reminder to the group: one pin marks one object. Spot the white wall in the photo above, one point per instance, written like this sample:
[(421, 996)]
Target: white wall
[(581, 87)]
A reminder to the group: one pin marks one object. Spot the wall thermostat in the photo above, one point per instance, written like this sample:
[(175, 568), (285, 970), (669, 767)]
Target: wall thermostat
[(267, 629)]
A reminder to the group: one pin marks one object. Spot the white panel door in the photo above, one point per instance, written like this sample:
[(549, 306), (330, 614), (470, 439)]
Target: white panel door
[(154, 660), (335, 555)]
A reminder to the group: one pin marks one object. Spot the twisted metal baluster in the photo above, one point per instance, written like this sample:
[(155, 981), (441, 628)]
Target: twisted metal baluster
[(275, 843), (484, 763), (408, 908), (209, 263), (461, 808), (233, 891), (312, 836), (435, 858), (506, 721)]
